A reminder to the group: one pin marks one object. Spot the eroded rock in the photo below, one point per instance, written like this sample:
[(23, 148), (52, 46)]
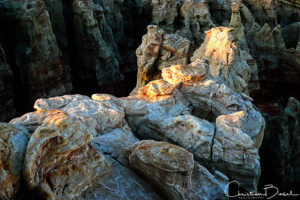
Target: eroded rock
[(158, 51), (59, 160), (167, 167), (12, 151), (224, 56)]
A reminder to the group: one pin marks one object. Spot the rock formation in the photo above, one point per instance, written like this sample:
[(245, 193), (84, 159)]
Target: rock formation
[(190, 125), (157, 51), (12, 148), (224, 57)]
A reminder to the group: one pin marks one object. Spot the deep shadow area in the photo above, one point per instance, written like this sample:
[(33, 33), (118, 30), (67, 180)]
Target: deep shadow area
[(15, 47)]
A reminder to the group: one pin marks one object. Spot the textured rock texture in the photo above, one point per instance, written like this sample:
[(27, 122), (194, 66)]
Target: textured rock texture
[(12, 150), (183, 178), (157, 51), (224, 57), (197, 66)]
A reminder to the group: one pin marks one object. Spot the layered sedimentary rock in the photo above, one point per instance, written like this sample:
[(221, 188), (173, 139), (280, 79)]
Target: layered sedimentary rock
[(117, 183), (151, 159), (157, 51), (12, 151), (73, 168), (71, 161), (191, 88), (182, 177), (224, 56), (7, 105)]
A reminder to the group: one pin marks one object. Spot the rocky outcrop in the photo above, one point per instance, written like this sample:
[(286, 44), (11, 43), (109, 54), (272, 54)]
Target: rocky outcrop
[(73, 168), (162, 110), (181, 176), (12, 150), (7, 105), (118, 182), (152, 159), (203, 107), (71, 162), (224, 56), (157, 51), (164, 13)]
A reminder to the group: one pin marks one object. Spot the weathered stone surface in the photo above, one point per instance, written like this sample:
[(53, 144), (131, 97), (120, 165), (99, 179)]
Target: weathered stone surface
[(186, 74), (223, 53), (173, 172), (157, 51), (12, 151), (194, 134), (167, 167), (264, 38), (211, 98), (59, 160), (155, 101), (234, 152), (147, 55), (31, 121), (237, 25), (58, 102), (206, 185), (112, 143), (101, 116), (117, 183), (164, 13), (7, 106)]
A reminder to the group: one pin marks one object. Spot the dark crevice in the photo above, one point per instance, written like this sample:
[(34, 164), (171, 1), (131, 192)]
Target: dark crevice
[(11, 44)]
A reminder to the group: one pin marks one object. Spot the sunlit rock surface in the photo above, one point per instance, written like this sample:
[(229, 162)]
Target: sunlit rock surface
[(158, 51), (12, 151), (224, 57)]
